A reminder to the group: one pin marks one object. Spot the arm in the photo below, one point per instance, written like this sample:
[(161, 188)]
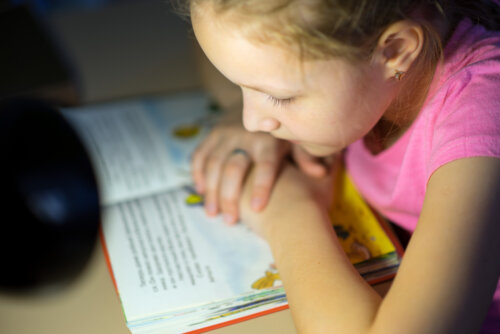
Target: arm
[(459, 229), (449, 262)]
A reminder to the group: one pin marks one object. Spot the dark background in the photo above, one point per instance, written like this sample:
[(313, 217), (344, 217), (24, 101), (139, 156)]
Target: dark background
[(83, 51)]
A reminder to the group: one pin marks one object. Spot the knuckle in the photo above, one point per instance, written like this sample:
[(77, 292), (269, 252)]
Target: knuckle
[(210, 196), (267, 166), (227, 200), (212, 182), (234, 169), (214, 162)]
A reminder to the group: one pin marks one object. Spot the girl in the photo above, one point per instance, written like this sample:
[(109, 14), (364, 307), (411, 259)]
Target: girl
[(408, 91)]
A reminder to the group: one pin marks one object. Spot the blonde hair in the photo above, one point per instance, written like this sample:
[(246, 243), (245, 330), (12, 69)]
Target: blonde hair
[(350, 29), (343, 28), (318, 28)]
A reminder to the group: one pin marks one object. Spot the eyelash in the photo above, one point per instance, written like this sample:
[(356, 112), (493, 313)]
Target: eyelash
[(279, 102)]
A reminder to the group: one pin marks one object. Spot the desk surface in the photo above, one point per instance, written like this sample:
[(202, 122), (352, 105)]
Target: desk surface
[(131, 49), (90, 305)]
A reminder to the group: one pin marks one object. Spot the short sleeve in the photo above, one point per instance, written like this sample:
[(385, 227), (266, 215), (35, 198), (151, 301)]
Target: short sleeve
[(469, 124)]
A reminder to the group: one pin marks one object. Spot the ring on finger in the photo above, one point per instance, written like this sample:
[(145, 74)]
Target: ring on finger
[(240, 151)]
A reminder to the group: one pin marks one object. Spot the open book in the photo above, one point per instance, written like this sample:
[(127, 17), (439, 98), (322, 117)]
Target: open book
[(176, 270)]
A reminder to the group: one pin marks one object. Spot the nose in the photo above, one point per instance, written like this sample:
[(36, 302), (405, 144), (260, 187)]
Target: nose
[(257, 117)]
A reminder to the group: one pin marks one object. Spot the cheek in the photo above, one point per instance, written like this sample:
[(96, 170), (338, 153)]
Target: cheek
[(341, 123), (317, 127), (356, 110)]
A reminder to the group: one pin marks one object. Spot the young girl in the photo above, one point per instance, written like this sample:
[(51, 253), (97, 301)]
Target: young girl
[(408, 91)]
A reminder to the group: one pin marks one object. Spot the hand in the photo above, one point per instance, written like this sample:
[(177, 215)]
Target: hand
[(310, 165), (294, 194), (219, 173)]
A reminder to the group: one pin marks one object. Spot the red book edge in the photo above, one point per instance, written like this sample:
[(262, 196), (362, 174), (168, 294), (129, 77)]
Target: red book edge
[(390, 233), (385, 226), (201, 330)]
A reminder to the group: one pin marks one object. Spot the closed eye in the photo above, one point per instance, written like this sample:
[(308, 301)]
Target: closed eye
[(279, 102)]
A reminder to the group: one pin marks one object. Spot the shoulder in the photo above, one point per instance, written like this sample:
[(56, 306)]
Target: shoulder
[(470, 44), (471, 64), (463, 111)]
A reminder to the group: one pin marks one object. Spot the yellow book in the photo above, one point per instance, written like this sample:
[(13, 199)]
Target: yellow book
[(365, 237)]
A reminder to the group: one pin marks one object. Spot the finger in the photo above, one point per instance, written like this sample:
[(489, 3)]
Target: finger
[(308, 163), (235, 170), (199, 160), (197, 166), (266, 167), (213, 172)]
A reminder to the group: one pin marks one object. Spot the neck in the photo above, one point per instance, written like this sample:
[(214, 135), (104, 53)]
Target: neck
[(401, 113)]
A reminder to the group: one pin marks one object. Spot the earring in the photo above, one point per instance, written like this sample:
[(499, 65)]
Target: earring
[(399, 75)]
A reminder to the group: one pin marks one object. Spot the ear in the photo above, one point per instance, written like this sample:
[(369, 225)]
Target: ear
[(399, 46)]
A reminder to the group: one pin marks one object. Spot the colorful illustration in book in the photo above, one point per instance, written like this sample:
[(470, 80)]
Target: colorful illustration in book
[(193, 198), (355, 223), (271, 278), (190, 130), (356, 250), (185, 131)]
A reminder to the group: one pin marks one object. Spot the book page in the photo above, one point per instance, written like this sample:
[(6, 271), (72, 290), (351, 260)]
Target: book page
[(142, 146), (166, 255)]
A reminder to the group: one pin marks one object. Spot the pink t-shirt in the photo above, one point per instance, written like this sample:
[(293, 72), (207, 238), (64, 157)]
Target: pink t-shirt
[(460, 119)]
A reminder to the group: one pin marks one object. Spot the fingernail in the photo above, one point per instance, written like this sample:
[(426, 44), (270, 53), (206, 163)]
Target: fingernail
[(210, 208), (257, 203), (228, 218)]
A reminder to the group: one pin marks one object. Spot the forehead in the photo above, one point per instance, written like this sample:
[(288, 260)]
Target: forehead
[(253, 62), (258, 26), (236, 55), (294, 25)]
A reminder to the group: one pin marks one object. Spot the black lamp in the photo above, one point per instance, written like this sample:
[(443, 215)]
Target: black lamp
[(49, 203)]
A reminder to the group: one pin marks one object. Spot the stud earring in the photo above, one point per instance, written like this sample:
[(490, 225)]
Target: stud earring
[(399, 75)]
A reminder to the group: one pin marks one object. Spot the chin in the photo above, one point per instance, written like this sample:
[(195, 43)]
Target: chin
[(319, 151)]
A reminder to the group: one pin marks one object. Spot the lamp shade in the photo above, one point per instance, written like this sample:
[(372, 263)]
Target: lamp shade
[(49, 203)]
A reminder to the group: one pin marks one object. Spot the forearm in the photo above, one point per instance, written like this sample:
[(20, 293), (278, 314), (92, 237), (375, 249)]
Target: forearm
[(325, 292)]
